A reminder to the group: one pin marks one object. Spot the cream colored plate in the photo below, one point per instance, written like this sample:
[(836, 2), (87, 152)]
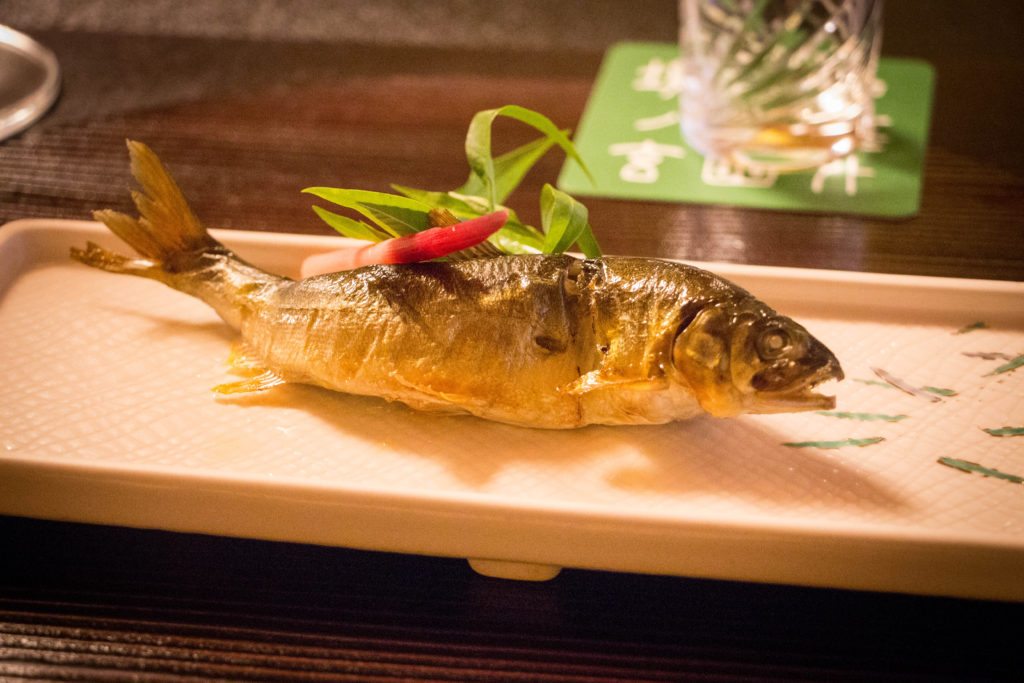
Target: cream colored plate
[(106, 416)]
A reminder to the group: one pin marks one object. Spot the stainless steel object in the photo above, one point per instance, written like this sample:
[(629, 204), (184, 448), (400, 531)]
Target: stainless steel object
[(29, 81)]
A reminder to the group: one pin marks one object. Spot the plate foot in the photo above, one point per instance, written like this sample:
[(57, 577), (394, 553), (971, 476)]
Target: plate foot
[(518, 571)]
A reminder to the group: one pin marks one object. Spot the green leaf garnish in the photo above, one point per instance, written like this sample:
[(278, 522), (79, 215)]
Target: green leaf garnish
[(587, 242), (518, 238), (395, 214), (864, 417), (478, 144), (491, 180), (461, 206), (509, 170), (969, 467), (1005, 431), (835, 444), (349, 227), (564, 221)]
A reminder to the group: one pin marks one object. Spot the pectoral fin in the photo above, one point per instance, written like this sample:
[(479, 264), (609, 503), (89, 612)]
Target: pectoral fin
[(261, 382), (425, 397), (244, 362), (595, 381)]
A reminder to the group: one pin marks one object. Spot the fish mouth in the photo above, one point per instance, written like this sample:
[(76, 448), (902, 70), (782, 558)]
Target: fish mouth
[(802, 396)]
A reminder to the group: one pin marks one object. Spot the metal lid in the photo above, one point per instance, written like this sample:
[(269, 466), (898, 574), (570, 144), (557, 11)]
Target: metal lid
[(29, 81)]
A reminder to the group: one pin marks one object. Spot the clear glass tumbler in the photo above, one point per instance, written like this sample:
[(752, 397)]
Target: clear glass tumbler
[(779, 85)]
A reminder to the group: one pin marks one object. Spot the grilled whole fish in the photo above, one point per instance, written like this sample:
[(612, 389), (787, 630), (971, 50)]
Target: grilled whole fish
[(538, 340)]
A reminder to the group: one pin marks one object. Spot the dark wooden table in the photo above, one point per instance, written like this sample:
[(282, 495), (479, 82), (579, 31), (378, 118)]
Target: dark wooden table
[(244, 125)]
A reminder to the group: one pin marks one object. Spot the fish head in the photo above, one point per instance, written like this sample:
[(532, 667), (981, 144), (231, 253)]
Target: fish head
[(743, 357)]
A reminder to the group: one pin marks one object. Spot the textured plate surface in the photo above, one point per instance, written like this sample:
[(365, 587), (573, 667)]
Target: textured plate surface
[(106, 416)]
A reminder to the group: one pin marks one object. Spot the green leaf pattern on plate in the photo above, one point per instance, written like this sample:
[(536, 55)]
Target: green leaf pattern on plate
[(860, 443), (973, 467)]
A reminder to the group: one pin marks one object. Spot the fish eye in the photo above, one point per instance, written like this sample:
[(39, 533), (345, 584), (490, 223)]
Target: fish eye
[(772, 343)]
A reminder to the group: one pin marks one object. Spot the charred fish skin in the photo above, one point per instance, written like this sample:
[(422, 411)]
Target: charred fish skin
[(496, 338), (636, 309), (546, 341), (539, 341)]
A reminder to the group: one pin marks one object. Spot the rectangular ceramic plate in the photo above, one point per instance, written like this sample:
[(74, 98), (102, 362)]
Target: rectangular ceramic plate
[(106, 416)]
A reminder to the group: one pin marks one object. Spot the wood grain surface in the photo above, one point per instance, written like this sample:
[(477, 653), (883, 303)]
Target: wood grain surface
[(99, 603), (244, 125)]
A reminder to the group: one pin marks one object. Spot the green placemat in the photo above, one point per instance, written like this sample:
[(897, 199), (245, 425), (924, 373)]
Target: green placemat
[(629, 137)]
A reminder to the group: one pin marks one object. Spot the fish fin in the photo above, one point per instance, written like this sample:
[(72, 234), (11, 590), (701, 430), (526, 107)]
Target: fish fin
[(430, 398), (441, 217), (593, 381), (98, 257), (262, 382), (166, 225), (480, 251), (244, 361)]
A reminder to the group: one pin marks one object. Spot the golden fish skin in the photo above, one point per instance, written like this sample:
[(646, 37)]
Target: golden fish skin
[(545, 341), (540, 341)]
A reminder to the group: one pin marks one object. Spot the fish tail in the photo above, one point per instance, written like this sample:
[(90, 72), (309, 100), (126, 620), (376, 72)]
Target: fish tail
[(96, 256), (173, 246), (166, 234), (166, 229)]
